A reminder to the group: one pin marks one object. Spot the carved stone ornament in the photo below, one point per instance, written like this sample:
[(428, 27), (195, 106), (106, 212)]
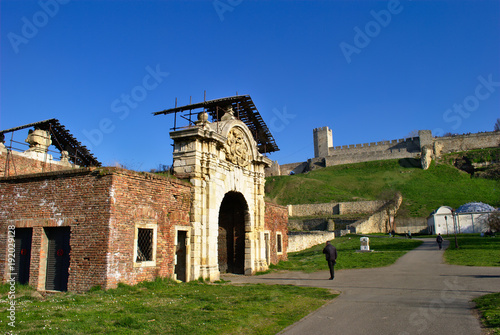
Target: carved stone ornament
[(237, 148)]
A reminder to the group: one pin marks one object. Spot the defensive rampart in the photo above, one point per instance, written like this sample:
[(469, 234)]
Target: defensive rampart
[(327, 155), (334, 208)]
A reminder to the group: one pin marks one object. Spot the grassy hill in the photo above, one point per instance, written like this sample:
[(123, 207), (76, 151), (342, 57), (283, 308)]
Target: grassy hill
[(423, 190)]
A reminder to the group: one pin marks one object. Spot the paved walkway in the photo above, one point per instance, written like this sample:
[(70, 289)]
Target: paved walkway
[(419, 294)]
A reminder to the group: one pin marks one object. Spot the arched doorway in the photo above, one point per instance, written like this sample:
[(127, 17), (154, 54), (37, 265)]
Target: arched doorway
[(233, 214)]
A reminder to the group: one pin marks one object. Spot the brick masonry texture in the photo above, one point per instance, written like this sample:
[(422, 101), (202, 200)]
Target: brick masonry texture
[(19, 165), (276, 220), (102, 207)]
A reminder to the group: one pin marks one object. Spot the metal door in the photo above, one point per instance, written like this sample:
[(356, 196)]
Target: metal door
[(23, 239), (57, 258)]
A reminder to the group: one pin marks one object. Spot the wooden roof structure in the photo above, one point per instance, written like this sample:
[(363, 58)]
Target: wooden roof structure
[(62, 139), (244, 109)]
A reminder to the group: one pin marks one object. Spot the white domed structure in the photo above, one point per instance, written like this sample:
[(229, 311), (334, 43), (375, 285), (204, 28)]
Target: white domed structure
[(475, 207), (473, 217)]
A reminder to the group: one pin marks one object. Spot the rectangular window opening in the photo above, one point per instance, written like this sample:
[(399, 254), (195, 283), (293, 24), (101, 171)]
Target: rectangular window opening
[(144, 245), (279, 248)]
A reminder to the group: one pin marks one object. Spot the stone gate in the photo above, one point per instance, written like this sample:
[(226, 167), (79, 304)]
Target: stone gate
[(222, 161)]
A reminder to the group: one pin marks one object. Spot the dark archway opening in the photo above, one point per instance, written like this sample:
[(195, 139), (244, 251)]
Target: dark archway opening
[(231, 242)]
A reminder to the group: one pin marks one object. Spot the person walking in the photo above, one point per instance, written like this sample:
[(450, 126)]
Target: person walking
[(439, 240), (331, 257)]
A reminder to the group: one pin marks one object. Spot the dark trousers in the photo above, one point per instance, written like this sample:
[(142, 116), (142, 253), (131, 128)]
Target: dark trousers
[(331, 264), (440, 245)]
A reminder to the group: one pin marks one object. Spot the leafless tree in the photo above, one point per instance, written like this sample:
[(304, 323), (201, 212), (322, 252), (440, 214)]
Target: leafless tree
[(494, 221)]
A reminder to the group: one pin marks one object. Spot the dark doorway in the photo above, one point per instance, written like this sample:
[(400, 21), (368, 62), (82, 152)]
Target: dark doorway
[(231, 242), (23, 254), (180, 253), (57, 258)]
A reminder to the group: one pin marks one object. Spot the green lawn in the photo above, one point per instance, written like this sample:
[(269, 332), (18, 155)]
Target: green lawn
[(489, 306), (386, 252), (473, 250), (164, 307), (423, 190)]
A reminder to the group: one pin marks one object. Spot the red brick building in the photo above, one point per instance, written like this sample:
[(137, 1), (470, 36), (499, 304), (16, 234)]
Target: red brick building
[(78, 227)]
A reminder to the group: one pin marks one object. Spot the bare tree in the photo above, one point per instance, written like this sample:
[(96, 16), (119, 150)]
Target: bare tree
[(497, 125), (494, 221)]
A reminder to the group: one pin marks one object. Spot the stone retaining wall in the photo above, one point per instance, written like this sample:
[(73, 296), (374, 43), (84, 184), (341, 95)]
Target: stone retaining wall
[(335, 208), (298, 241)]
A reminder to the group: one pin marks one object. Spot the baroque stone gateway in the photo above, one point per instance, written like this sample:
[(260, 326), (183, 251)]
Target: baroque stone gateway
[(81, 225)]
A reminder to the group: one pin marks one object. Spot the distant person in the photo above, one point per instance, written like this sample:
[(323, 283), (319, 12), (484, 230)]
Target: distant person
[(409, 234), (331, 256), (439, 240)]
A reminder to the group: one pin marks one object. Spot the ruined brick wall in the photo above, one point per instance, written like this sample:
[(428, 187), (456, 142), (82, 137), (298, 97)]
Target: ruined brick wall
[(143, 197), (18, 164), (276, 220), (75, 198)]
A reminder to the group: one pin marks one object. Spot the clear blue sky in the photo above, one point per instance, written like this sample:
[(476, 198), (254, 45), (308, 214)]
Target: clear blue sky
[(369, 70)]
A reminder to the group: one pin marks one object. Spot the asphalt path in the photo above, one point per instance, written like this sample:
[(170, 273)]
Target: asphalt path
[(419, 294)]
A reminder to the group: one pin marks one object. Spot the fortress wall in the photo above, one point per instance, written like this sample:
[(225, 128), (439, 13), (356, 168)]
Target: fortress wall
[(334, 208), (368, 157), (273, 170), (469, 141), (300, 167), (409, 144)]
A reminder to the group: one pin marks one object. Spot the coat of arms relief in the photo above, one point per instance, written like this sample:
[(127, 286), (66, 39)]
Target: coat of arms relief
[(237, 148)]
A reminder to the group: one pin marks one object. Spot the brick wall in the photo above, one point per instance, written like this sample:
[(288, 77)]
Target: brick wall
[(19, 164), (101, 206), (75, 198), (143, 197), (276, 220)]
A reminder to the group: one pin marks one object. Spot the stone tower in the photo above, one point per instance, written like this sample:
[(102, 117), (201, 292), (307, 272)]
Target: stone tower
[(323, 140)]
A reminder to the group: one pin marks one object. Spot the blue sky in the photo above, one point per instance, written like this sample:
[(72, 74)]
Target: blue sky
[(369, 70)]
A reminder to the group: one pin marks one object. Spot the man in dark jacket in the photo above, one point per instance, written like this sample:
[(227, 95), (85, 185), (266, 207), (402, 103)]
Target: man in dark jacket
[(439, 240), (331, 256)]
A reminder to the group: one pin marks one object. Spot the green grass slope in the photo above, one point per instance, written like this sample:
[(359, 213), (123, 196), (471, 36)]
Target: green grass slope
[(423, 190)]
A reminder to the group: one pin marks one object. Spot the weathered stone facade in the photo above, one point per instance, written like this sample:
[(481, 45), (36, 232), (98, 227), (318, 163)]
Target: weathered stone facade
[(223, 164)]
